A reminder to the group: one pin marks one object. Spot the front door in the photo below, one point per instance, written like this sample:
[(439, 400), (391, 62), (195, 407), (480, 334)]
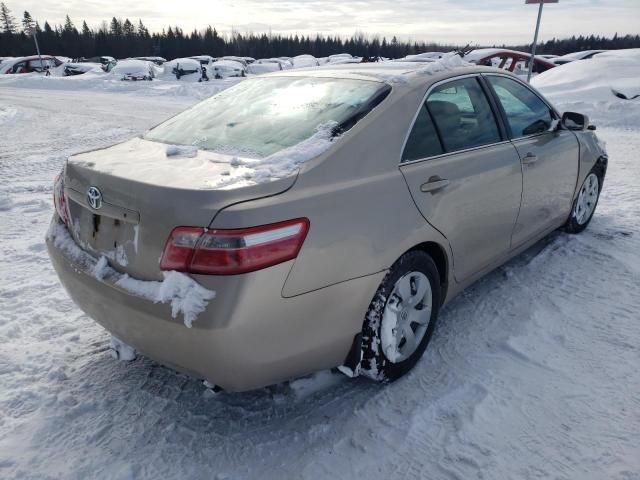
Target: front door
[(464, 177), (550, 158)]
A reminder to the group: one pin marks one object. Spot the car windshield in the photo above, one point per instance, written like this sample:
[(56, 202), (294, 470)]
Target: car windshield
[(261, 116)]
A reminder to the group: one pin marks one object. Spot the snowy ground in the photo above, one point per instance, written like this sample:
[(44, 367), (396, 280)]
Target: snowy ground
[(532, 373)]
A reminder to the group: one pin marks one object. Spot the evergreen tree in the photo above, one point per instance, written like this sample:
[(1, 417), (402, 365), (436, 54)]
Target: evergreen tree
[(7, 22), (27, 22)]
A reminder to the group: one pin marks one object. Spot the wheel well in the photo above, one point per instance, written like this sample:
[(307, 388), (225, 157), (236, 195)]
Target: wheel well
[(439, 256)]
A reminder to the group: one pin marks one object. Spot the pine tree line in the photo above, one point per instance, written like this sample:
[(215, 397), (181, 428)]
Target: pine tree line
[(122, 39)]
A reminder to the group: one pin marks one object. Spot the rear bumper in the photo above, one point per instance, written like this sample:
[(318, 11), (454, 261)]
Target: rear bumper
[(249, 336)]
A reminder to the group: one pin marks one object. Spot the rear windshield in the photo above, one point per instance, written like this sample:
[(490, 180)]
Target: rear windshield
[(261, 116)]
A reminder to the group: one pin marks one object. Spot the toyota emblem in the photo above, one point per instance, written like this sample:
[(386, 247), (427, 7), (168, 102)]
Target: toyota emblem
[(94, 197)]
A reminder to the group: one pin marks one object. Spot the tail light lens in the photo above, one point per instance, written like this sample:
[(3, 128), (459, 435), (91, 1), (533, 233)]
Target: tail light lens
[(230, 252), (58, 199)]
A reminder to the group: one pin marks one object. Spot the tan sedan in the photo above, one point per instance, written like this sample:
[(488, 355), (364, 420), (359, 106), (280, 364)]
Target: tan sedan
[(288, 246)]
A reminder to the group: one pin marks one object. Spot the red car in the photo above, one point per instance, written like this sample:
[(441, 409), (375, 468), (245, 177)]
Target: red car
[(511, 60), (30, 64)]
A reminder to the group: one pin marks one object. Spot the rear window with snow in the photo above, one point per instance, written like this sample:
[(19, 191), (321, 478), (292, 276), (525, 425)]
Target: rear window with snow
[(259, 117)]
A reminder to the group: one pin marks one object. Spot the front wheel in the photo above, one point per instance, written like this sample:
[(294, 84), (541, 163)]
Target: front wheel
[(585, 204), (401, 318)]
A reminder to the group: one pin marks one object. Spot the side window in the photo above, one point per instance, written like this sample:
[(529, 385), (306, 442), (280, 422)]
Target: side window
[(19, 67), (423, 140), (526, 113), (462, 115)]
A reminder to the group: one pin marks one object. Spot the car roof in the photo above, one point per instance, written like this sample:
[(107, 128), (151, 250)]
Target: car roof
[(409, 74)]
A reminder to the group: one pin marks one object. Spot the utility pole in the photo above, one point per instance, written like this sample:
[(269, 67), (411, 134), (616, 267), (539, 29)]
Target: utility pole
[(535, 37), (32, 31)]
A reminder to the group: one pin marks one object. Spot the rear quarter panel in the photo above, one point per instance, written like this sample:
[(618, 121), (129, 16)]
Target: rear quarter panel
[(362, 215)]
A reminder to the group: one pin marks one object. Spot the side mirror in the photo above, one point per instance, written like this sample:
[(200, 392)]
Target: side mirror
[(575, 121)]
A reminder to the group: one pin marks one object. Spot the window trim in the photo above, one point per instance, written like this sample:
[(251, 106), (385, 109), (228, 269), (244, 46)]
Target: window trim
[(504, 137), (554, 113)]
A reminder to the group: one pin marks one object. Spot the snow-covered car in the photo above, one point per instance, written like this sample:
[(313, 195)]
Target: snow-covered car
[(80, 68), (213, 243), (343, 60), (181, 67), (572, 57), (258, 68), (510, 60), (64, 59), (233, 58), (228, 68), (284, 64), (424, 57), (303, 61), (29, 64), (159, 61), (133, 70), (205, 60)]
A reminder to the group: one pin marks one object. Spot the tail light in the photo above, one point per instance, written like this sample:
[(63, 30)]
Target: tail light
[(59, 200), (230, 252)]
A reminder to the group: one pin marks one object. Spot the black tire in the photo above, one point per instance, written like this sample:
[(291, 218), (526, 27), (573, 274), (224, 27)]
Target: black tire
[(573, 226), (374, 363)]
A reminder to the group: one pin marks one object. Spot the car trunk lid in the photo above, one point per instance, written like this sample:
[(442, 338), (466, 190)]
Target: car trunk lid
[(125, 200)]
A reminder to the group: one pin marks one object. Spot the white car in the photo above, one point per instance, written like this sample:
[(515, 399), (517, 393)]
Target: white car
[(243, 60), (133, 70), (203, 59), (424, 57), (181, 67), (159, 61), (303, 61), (79, 68), (266, 67), (572, 57), (284, 64), (228, 68)]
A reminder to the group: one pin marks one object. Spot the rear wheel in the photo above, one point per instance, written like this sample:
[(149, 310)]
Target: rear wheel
[(401, 318), (585, 204)]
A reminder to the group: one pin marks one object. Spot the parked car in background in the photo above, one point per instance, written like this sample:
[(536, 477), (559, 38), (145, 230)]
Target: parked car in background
[(439, 179), (343, 60), (258, 67), (303, 61), (424, 57), (30, 64), (284, 64), (107, 62), (180, 67), (243, 60), (134, 70), (159, 61), (572, 57), (228, 68), (510, 60), (80, 68), (205, 60)]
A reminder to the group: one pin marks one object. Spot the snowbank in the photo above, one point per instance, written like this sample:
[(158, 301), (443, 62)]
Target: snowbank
[(589, 86), (105, 82), (186, 296)]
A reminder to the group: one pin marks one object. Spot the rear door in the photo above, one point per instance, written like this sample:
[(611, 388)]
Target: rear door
[(549, 157), (464, 176)]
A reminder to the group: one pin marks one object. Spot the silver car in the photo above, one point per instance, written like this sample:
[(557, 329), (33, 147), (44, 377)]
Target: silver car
[(307, 220)]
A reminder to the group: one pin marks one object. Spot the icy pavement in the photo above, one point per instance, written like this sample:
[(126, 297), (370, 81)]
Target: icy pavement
[(534, 372)]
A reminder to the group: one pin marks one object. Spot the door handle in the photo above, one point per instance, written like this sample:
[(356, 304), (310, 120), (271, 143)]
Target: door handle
[(434, 184), (529, 158)]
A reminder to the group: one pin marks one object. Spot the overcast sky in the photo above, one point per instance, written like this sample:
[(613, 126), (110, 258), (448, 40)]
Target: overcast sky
[(457, 21)]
